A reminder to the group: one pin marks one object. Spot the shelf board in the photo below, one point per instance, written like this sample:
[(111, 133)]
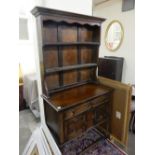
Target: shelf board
[(71, 43), (66, 68)]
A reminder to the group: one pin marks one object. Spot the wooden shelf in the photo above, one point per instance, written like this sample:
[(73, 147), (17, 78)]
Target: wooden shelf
[(66, 68), (71, 43), (66, 87)]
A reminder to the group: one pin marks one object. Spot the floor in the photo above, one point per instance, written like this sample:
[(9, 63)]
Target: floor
[(131, 144), (28, 123)]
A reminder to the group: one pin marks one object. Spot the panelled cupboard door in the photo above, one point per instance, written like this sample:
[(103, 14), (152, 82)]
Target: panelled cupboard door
[(120, 104)]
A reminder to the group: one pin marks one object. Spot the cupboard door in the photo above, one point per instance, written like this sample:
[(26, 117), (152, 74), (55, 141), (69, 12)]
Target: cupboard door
[(100, 114), (121, 99), (90, 118), (75, 126)]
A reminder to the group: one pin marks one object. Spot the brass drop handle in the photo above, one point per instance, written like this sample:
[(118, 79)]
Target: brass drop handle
[(72, 112), (90, 106), (84, 127)]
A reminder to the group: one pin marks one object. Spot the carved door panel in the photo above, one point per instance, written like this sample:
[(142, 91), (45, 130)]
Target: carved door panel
[(90, 118), (75, 126), (121, 99), (100, 113)]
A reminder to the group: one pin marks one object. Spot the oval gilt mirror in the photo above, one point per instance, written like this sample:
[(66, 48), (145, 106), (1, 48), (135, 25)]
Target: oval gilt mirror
[(114, 35)]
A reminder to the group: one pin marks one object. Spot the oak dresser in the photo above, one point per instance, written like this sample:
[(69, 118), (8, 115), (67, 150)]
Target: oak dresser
[(68, 52)]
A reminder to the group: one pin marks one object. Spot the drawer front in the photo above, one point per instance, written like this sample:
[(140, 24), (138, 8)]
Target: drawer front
[(86, 106), (76, 111), (100, 100), (75, 126)]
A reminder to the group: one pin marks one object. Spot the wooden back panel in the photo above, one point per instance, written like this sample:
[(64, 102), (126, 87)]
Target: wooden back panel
[(68, 33), (86, 54), (89, 34), (52, 81), (69, 55), (49, 32), (64, 47), (51, 57), (121, 103), (70, 77)]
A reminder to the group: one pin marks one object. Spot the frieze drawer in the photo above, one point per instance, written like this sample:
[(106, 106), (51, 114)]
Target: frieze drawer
[(86, 106), (77, 110), (100, 100)]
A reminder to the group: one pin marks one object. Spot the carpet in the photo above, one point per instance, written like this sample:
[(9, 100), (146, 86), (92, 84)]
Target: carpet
[(92, 142)]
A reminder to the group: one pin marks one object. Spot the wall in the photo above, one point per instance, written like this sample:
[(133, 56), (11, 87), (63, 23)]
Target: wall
[(76, 6), (26, 46), (111, 10)]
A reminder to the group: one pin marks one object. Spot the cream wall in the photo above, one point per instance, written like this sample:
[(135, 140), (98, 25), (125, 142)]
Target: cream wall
[(111, 10), (76, 6), (26, 47)]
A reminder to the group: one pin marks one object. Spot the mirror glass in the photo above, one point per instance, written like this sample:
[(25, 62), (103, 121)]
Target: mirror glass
[(114, 35)]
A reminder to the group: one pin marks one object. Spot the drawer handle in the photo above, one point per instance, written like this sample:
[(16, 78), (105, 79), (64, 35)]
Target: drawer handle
[(90, 105), (72, 113)]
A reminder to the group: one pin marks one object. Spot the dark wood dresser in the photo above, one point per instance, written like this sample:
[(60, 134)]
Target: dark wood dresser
[(68, 51)]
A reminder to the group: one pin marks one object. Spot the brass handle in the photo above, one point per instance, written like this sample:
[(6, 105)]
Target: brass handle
[(72, 112), (90, 105)]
